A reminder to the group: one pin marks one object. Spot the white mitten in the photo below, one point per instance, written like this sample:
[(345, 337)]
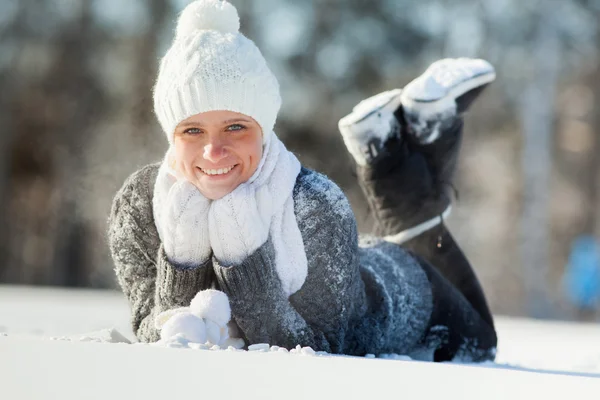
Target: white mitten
[(181, 217), (237, 227)]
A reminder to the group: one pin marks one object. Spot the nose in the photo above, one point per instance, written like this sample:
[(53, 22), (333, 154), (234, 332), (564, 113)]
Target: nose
[(214, 150)]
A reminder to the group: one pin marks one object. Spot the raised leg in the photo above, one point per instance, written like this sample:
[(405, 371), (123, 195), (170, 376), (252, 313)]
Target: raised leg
[(406, 144)]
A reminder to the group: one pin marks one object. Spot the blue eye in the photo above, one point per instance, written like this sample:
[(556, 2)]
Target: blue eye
[(236, 127), (192, 131)]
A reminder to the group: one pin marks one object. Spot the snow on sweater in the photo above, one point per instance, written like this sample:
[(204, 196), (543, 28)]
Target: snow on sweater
[(357, 299)]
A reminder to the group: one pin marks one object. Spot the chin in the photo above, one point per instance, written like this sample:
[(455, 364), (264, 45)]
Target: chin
[(216, 194)]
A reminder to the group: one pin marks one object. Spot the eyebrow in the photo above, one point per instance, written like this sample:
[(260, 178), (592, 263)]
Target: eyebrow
[(198, 123)]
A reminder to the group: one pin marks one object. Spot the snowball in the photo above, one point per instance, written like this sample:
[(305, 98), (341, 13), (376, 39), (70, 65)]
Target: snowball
[(164, 316), (214, 15), (224, 334), (179, 341), (213, 332), (212, 305), (188, 325)]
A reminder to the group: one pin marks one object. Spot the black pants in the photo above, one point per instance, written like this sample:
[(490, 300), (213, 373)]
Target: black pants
[(409, 184)]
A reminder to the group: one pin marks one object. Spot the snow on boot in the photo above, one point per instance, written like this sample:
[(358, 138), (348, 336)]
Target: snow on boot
[(370, 124), (445, 90)]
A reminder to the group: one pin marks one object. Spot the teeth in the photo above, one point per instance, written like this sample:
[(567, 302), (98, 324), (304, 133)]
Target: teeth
[(219, 171)]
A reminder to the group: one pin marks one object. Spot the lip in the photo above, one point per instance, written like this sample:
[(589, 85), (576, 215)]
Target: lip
[(221, 176)]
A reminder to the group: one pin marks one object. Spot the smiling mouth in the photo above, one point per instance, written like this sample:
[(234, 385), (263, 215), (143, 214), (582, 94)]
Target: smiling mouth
[(217, 172)]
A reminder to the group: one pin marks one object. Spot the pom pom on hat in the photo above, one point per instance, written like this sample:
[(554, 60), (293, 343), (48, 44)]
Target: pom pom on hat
[(214, 15), (212, 305), (213, 66)]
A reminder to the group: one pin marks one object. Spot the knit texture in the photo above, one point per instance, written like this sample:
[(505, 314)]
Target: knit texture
[(151, 282), (262, 207), (354, 300), (181, 216), (212, 66)]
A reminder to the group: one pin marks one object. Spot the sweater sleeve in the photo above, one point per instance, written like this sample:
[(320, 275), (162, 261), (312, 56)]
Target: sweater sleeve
[(149, 281), (320, 313)]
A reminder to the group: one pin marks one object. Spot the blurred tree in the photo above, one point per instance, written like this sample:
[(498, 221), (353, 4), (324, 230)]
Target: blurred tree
[(76, 112), (145, 62), (53, 109), (10, 31), (537, 116)]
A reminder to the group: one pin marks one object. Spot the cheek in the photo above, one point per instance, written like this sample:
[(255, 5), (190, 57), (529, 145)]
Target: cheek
[(186, 152), (254, 150), (257, 152)]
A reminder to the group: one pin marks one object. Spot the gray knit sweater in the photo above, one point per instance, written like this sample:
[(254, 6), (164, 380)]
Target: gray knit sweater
[(357, 299)]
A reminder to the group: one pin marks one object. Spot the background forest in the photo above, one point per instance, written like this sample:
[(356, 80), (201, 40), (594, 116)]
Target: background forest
[(76, 119)]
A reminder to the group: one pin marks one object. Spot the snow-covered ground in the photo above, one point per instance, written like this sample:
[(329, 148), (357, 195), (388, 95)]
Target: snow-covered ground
[(535, 359)]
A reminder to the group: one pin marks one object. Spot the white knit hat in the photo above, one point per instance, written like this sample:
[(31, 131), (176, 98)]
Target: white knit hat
[(212, 66)]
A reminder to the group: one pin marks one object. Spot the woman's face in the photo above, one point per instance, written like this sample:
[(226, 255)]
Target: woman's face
[(217, 150)]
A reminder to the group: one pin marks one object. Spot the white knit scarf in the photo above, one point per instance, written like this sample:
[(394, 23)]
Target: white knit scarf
[(273, 184)]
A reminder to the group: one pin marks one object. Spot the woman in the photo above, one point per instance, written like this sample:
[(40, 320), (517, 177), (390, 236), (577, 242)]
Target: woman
[(231, 209)]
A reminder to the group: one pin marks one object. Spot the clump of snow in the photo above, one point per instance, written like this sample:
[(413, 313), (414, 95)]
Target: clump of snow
[(303, 351), (199, 346), (206, 320), (110, 335), (277, 349), (213, 305), (259, 347), (184, 324), (162, 318), (307, 351), (398, 357), (179, 341), (214, 333)]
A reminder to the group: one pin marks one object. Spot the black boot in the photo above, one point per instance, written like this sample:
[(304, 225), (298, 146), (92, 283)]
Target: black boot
[(407, 179), (412, 183), (406, 144), (456, 328), (445, 90)]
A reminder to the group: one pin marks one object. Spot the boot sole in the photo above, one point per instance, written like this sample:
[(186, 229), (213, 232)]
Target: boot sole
[(431, 107)]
